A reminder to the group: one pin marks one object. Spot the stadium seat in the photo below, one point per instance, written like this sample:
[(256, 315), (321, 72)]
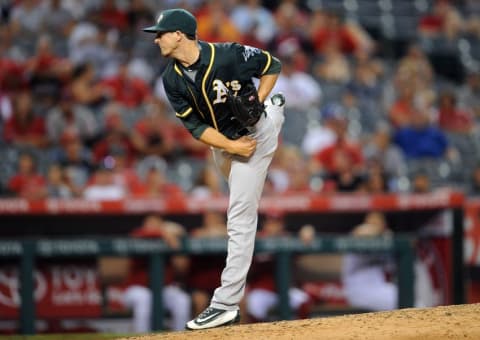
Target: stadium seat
[(441, 172), (423, 6), (9, 156), (295, 126), (335, 5), (405, 27), (404, 8), (468, 147), (475, 49)]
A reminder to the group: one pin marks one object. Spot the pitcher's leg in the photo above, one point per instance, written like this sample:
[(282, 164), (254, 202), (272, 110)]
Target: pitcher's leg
[(246, 184), (222, 161), (246, 181)]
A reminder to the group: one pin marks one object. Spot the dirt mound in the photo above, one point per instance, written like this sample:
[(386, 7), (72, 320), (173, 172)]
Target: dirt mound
[(446, 322)]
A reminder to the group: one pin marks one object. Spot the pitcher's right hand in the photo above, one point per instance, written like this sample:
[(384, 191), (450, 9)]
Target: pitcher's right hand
[(244, 146)]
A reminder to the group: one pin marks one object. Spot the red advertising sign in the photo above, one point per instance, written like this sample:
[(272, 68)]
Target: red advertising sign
[(303, 202), (472, 232), (62, 290)]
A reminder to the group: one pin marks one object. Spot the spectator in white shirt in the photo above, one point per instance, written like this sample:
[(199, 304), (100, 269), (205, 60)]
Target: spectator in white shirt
[(103, 187), (301, 90), (322, 134)]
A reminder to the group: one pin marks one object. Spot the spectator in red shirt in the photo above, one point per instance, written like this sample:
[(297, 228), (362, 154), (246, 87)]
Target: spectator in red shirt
[(330, 29), (450, 117), (326, 159), (111, 16), (27, 182), (403, 109), (115, 135), (113, 140), (46, 72), (126, 89), (24, 127), (432, 23), (12, 81), (340, 164), (443, 20), (184, 144), (123, 174), (344, 177)]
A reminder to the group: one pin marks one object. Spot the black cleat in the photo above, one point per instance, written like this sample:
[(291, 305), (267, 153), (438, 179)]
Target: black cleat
[(214, 317)]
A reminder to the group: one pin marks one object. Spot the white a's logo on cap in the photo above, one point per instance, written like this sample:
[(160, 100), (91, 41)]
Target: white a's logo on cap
[(160, 17)]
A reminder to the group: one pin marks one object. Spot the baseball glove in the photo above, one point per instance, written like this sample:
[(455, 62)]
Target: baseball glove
[(245, 108)]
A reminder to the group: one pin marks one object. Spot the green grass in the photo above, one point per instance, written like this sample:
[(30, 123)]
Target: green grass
[(66, 336)]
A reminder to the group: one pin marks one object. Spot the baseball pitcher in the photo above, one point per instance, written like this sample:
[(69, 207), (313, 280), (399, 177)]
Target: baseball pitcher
[(210, 87)]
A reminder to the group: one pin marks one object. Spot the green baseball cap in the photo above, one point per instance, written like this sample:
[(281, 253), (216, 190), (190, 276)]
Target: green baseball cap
[(176, 19)]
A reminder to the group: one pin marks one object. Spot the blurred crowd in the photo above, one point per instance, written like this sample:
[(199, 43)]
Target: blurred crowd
[(382, 96)]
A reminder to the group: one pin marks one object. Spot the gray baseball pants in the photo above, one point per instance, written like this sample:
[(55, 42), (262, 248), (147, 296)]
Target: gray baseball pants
[(246, 178)]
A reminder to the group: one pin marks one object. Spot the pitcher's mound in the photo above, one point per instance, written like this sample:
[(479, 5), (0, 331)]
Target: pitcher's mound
[(446, 322)]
